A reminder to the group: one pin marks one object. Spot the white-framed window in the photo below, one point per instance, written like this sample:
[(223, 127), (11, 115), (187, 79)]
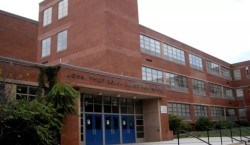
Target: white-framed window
[(237, 74), (199, 87), (243, 113), (200, 111), (46, 46), (239, 94), (228, 93), (176, 82), (62, 9), (47, 16), (195, 62), (181, 110), (213, 68), (62, 40), (215, 90), (218, 113), (150, 46), (226, 73), (153, 75), (173, 54)]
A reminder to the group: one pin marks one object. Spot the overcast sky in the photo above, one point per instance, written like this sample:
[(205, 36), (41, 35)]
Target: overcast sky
[(218, 27)]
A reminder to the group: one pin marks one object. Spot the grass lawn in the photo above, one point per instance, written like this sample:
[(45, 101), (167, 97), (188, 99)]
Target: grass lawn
[(212, 133)]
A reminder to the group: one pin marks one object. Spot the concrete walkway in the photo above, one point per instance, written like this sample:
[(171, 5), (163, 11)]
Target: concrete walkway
[(193, 141)]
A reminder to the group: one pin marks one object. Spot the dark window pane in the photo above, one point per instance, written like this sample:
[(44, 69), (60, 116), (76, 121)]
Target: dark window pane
[(89, 123), (116, 122), (89, 107), (139, 122), (107, 122), (114, 101), (139, 128), (130, 102), (32, 91), (98, 108), (140, 135), (98, 122), (123, 102), (22, 89), (130, 110), (98, 100), (31, 97), (20, 97), (106, 100), (88, 98), (115, 109), (131, 123), (123, 110), (107, 109), (138, 110)]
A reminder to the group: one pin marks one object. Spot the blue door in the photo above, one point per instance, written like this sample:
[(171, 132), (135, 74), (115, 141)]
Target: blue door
[(94, 129), (128, 129), (112, 129)]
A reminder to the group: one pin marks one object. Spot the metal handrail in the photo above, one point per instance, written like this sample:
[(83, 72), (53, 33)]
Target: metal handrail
[(221, 133), (239, 133), (178, 137)]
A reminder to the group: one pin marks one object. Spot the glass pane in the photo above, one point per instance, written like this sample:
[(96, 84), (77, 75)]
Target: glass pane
[(124, 123), (116, 123), (115, 109), (139, 122), (130, 110), (98, 100), (97, 108), (140, 135), (108, 122), (123, 102), (88, 98), (107, 109), (123, 110), (88, 107), (98, 122), (131, 123), (106, 100), (22, 89), (32, 91)]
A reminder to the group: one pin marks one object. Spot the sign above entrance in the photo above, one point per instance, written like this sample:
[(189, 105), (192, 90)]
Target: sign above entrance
[(164, 110)]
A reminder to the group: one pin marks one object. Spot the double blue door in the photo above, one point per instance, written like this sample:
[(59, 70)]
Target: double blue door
[(112, 123), (94, 135), (112, 129), (128, 129)]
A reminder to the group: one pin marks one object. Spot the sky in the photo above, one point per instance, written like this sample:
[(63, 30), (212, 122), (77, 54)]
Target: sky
[(218, 27)]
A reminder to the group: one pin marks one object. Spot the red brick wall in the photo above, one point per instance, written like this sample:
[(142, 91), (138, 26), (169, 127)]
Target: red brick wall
[(18, 37)]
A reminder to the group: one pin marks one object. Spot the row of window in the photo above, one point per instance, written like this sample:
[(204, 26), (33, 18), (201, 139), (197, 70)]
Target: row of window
[(180, 83), (153, 47), (62, 12), (217, 113), (62, 43)]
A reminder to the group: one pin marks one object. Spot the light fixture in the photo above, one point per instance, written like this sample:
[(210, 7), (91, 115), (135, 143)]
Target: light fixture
[(99, 93), (134, 97), (118, 96)]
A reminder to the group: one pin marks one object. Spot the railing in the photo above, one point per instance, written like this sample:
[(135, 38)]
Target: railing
[(221, 134), (178, 137)]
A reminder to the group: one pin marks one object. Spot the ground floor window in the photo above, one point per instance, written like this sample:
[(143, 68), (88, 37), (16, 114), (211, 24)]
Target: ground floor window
[(181, 110), (218, 113), (200, 111)]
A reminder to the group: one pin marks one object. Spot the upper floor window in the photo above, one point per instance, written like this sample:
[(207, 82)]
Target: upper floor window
[(199, 87), (153, 75), (46, 44), (247, 72), (151, 46), (195, 62), (181, 110), (213, 68), (215, 90), (228, 93), (239, 94), (62, 9), (237, 74), (200, 111), (173, 54), (47, 16), (177, 82), (226, 73), (62, 40)]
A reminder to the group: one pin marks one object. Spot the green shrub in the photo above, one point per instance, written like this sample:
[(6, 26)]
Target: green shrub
[(203, 124), (184, 125), (224, 124), (244, 123), (174, 122)]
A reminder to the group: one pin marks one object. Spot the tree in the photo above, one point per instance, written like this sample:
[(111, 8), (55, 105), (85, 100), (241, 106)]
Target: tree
[(28, 123)]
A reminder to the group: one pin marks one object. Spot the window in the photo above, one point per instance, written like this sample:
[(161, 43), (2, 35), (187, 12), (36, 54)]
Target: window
[(26, 92), (62, 9), (213, 68), (217, 113), (62, 40), (199, 87), (177, 82), (150, 46), (181, 110), (231, 114), (195, 62), (93, 103), (200, 111), (243, 113), (226, 73), (46, 44), (173, 54), (228, 93), (247, 72), (153, 75), (215, 90), (47, 16), (139, 126), (237, 74), (239, 94)]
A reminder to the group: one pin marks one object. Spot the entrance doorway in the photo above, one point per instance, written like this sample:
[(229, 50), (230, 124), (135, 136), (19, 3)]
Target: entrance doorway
[(112, 129), (94, 129), (128, 129)]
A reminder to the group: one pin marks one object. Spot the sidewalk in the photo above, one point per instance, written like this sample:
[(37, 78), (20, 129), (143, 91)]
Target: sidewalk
[(192, 141)]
